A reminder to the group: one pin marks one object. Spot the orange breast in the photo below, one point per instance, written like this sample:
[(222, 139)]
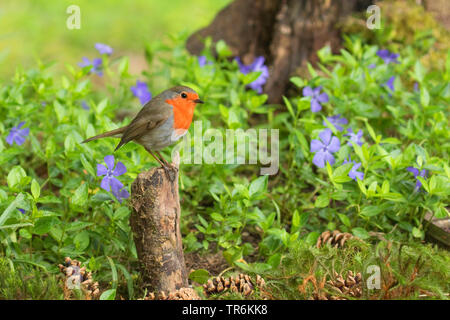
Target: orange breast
[(183, 111)]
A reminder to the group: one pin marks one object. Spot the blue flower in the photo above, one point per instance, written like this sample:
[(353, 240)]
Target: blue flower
[(355, 137), (390, 84), (22, 211), (256, 66), (336, 121), (141, 91), (387, 56), (96, 65), (84, 105), (17, 134), (417, 173), (104, 49), (202, 61), (316, 97), (325, 148), (109, 182), (353, 173)]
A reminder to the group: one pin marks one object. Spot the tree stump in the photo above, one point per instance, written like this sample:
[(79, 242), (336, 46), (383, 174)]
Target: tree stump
[(155, 221), (286, 32)]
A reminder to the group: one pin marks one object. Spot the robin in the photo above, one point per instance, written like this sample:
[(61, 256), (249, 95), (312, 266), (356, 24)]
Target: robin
[(161, 122)]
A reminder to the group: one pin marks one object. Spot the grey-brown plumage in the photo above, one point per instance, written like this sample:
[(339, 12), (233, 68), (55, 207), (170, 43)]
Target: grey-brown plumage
[(154, 126)]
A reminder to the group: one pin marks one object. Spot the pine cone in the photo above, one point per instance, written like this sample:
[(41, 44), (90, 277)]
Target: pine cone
[(335, 238), (350, 286), (76, 277), (241, 283), (180, 294), (339, 288)]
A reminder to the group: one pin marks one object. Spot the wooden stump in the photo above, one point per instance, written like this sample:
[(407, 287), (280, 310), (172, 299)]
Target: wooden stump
[(155, 221)]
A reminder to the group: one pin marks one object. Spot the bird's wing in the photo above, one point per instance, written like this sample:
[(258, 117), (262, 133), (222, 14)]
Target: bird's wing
[(151, 116)]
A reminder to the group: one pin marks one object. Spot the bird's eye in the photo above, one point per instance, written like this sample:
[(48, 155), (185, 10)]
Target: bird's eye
[(184, 95)]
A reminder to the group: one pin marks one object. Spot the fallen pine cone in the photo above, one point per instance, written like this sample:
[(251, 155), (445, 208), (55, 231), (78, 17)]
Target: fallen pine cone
[(180, 294), (340, 287), (241, 283), (335, 238), (76, 277)]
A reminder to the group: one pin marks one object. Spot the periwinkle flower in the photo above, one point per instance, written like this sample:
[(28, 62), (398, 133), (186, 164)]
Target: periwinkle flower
[(141, 91), (84, 105), (353, 173), (372, 66), (355, 137), (104, 49), (336, 121), (324, 148), (417, 173), (416, 87), (110, 182), (202, 61), (22, 211), (96, 65), (17, 134), (387, 56), (316, 97), (390, 84), (256, 66)]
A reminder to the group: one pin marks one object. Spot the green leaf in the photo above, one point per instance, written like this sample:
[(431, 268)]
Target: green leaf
[(35, 189), (44, 224), (87, 165), (81, 240), (370, 211), (322, 201), (274, 260), (108, 295), (200, 276), (80, 196), (222, 49), (424, 96), (345, 220), (123, 66), (258, 186), (15, 176), (299, 82), (217, 216), (295, 220), (360, 233), (417, 233), (10, 209)]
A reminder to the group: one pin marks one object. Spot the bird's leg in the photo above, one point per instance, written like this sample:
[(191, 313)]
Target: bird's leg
[(168, 169), (162, 158), (156, 158)]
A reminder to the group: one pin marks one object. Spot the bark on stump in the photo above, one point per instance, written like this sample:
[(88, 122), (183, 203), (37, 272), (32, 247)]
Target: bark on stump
[(286, 32), (155, 221)]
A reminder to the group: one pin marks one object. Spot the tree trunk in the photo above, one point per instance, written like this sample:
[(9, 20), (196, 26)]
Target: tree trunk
[(155, 221), (286, 32)]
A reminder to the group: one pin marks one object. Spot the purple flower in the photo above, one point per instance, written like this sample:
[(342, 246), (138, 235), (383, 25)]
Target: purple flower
[(416, 87), (84, 105), (256, 66), (353, 173), (355, 137), (371, 66), (324, 148), (416, 172), (22, 211), (390, 84), (336, 121), (104, 49), (202, 61), (316, 97), (141, 91), (109, 182), (96, 65), (387, 56), (17, 134)]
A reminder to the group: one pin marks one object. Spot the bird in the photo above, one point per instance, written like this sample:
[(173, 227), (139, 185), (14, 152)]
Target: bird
[(160, 123)]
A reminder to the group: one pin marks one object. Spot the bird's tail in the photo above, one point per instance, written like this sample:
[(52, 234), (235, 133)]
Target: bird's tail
[(106, 134)]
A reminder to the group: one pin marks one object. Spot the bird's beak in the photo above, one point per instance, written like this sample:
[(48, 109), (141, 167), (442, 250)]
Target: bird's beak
[(198, 101)]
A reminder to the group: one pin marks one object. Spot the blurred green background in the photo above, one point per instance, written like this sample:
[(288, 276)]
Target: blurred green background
[(36, 29)]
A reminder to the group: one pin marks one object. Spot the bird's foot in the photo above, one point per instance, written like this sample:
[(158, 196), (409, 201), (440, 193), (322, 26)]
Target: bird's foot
[(171, 171)]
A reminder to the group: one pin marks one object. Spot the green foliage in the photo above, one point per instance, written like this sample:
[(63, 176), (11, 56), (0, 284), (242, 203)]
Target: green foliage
[(52, 176)]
